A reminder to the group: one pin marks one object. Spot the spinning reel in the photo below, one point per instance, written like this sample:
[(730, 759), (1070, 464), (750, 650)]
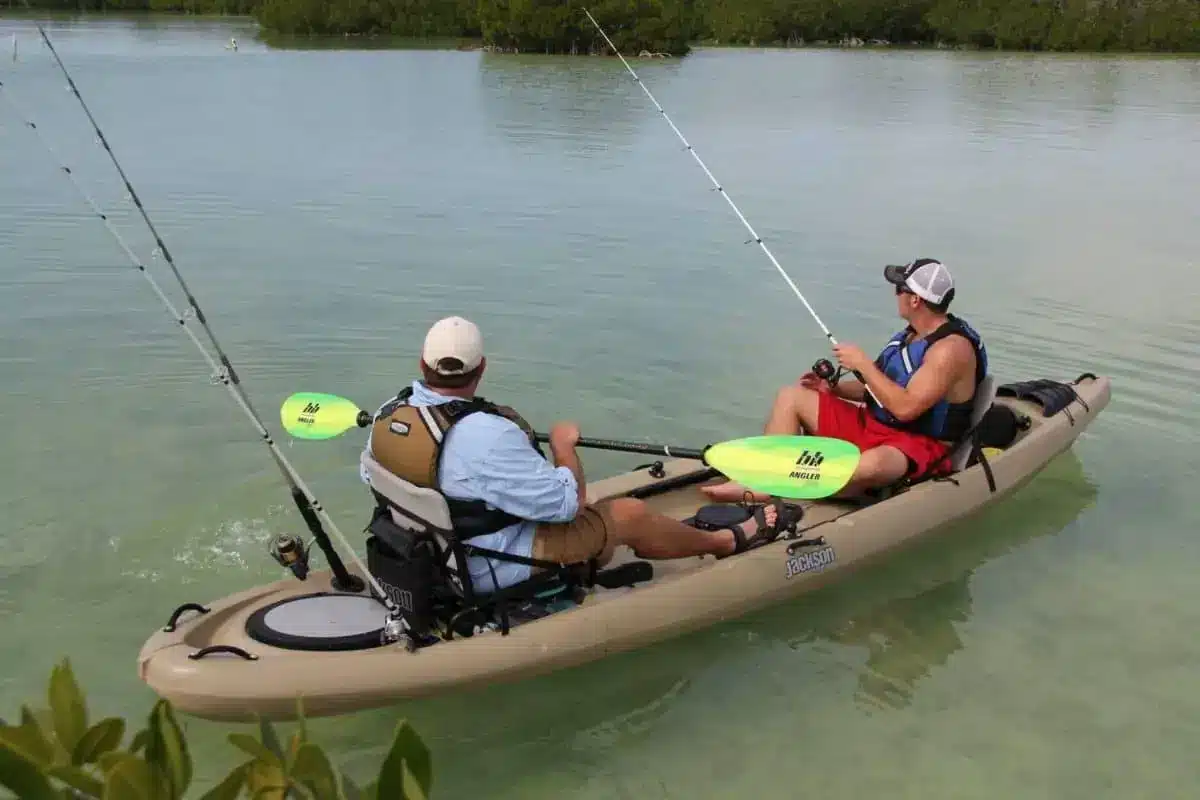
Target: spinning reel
[(826, 371), (290, 552)]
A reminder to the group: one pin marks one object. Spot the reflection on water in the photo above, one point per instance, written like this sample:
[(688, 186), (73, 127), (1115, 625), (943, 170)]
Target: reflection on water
[(905, 640), (122, 34), (574, 107), (285, 41), (906, 614)]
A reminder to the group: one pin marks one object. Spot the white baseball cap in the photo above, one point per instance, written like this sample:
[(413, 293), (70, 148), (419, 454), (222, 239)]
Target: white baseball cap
[(453, 346), (927, 278)]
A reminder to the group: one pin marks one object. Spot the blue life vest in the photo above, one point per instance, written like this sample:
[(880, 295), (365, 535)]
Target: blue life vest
[(900, 359)]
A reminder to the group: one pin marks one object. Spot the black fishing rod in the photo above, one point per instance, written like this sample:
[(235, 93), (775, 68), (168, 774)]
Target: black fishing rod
[(224, 373)]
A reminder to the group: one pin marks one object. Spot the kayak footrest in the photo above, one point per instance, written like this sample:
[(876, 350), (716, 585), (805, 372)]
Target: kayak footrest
[(625, 575)]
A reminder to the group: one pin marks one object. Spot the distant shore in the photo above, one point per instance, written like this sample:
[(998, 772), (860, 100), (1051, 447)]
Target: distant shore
[(672, 28)]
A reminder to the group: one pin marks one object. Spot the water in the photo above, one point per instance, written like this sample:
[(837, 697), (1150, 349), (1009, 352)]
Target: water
[(327, 205)]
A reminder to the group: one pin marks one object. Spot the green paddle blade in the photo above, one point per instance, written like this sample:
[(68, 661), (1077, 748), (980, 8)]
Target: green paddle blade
[(795, 467), (312, 415)]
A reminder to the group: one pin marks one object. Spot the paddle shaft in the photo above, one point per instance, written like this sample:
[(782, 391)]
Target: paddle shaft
[(363, 419), (669, 451), (754, 234)]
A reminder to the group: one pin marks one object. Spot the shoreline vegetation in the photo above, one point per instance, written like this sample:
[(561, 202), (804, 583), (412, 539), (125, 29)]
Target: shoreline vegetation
[(665, 28)]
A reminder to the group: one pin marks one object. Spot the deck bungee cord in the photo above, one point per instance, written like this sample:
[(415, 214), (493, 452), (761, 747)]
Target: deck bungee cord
[(824, 369), (223, 372)]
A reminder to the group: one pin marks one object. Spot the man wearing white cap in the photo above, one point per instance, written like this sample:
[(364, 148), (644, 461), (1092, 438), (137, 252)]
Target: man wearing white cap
[(502, 493), (925, 377)]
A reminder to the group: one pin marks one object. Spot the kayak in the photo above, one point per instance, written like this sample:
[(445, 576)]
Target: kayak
[(256, 652)]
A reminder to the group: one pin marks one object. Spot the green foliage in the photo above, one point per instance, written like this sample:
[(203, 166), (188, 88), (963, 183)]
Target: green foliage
[(669, 26), (560, 26), (658, 26), (240, 7), (423, 18), (1094, 25), (53, 754)]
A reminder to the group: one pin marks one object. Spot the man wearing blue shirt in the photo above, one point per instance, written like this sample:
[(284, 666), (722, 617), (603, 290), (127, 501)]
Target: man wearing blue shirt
[(502, 493)]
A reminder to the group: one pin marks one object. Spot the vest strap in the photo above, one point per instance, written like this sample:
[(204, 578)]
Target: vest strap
[(896, 361), (407, 441)]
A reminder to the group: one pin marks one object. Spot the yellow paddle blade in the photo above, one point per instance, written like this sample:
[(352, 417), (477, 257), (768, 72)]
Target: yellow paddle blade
[(794, 467), (312, 415)]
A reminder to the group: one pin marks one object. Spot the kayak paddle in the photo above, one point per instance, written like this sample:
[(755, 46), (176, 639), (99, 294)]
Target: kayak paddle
[(794, 467), (313, 415)]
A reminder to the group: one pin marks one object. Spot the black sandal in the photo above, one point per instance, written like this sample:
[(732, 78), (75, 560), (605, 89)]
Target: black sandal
[(731, 517), (787, 516)]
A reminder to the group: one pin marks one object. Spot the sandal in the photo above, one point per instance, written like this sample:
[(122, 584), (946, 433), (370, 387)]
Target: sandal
[(731, 517)]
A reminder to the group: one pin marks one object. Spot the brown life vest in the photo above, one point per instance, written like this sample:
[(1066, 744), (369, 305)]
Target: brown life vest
[(407, 441)]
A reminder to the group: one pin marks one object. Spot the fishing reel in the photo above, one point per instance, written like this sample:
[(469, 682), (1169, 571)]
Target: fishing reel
[(395, 629), (290, 552), (823, 368)]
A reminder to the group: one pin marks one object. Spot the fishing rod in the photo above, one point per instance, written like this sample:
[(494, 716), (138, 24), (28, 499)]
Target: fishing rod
[(224, 373), (754, 234)]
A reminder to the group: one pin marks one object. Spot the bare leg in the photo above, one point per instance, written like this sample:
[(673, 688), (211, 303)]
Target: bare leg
[(879, 466), (654, 536), (794, 411)]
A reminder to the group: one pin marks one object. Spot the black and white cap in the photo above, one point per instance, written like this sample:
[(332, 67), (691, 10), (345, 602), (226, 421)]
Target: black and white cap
[(927, 278)]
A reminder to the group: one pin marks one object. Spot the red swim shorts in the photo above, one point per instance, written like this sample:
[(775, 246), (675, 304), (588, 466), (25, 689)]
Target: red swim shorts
[(842, 419)]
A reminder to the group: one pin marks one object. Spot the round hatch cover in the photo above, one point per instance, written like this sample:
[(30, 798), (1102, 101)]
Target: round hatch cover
[(320, 621)]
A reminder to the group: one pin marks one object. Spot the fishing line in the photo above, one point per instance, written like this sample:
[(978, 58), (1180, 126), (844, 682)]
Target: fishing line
[(755, 237), (223, 372)]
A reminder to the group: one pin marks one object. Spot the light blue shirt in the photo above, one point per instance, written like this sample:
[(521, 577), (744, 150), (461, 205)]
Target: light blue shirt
[(487, 457)]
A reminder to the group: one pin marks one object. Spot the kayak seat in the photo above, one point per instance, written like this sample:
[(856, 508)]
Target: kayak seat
[(962, 454), (415, 555), (985, 395)]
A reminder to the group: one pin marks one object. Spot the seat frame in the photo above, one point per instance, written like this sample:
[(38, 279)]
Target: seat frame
[(968, 445), (961, 454), (405, 510)]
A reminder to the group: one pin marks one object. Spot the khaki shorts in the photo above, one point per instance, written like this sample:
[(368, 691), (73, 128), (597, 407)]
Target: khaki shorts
[(574, 542)]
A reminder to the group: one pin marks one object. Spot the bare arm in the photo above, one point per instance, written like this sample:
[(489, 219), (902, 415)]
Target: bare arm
[(511, 476), (929, 383), (562, 447)]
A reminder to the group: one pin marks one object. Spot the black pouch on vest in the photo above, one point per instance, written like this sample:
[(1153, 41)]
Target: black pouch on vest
[(406, 568)]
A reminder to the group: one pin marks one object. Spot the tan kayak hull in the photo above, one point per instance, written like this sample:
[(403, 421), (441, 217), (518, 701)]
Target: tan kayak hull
[(685, 595)]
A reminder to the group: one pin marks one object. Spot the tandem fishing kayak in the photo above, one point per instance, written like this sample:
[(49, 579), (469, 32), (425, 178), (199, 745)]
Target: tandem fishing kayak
[(336, 641), (257, 651)]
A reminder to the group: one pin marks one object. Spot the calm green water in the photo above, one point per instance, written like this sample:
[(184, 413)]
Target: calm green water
[(327, 205)]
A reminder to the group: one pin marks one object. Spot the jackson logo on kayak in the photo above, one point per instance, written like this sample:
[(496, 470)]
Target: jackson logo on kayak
[(810, 562), (401, 597), (811, 466)]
